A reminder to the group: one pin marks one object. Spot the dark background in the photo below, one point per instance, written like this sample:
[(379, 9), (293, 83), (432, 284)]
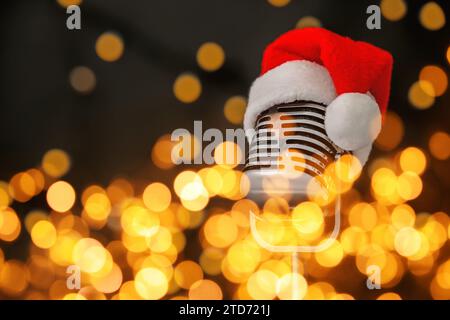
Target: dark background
[(110, 132)]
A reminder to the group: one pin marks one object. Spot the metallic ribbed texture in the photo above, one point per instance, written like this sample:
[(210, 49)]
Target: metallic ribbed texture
[(292, 134)]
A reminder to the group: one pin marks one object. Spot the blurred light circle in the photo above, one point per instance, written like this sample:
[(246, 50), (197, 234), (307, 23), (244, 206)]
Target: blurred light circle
[(61, 196), (82, 79), (110, 282), (234, 109), (448, 54), (403, 216), (5, 197), (418, 97), (157, 197), (220, 230), (409, 185), (89, 255), (162, 153), (331, 256), (228, 154), (22, 187), (435, 76), (205, 290), (431, 16), (160, 241), (279, 3), (291, 286), (407, 241), (439, 145), (262, 285), (307, 218), (109, 46), (56, 163), (391, 133), (393, 10), (210, 56), (66, 3), (413, 159), (43, 234), (10, 225), (151, 284), (307, 22), (363, 215), (211, 261), (389, 296), (187, 88), (186, 273), (14, 277)]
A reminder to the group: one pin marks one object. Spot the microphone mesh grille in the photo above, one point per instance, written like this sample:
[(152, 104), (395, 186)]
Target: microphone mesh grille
[(292, 135)]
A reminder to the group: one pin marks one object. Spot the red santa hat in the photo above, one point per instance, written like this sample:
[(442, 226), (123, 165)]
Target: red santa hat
[(313, 64)]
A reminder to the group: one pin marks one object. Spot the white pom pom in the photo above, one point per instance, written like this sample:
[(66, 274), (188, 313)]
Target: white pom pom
[(353, 120)]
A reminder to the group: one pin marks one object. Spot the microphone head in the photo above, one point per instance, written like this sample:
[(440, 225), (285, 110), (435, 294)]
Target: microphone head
[(289, 153)]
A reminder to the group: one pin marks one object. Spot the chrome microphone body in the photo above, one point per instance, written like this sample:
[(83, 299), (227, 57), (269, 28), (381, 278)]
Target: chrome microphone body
[(289, 153)]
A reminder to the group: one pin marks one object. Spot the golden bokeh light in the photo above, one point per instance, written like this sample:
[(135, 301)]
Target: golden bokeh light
[(186, 273), (5, 197), (307, 22), (43, 234), (109, 282), (137, 221), (22, 187), (157, 197), (56, 163), (234, 109), (363, 215), (307, 218), (211, 261), (66, 3), (331, 256), (109, 46), (413, 159), (439, 145), (407, 241), (210, 56), (420, 98), (292, 286), (220, 230), (435, 76), (228, 154), (403, 216), (151, 284), (279, 3), (391, 133), (409, 185), (448, 54), (389, 296), (393, 10), (160, 241), (10, 225), (205, 290), (162, 153), (262, 285), (14, 277), (187, 88), (61, 196), (431, 16)]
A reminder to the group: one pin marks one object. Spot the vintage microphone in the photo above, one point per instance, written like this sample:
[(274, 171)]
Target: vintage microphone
[(290, 143), (318, 94)]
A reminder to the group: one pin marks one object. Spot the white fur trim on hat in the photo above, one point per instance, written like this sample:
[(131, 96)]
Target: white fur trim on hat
[(363, 154), (353, 120), (289, 82)]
